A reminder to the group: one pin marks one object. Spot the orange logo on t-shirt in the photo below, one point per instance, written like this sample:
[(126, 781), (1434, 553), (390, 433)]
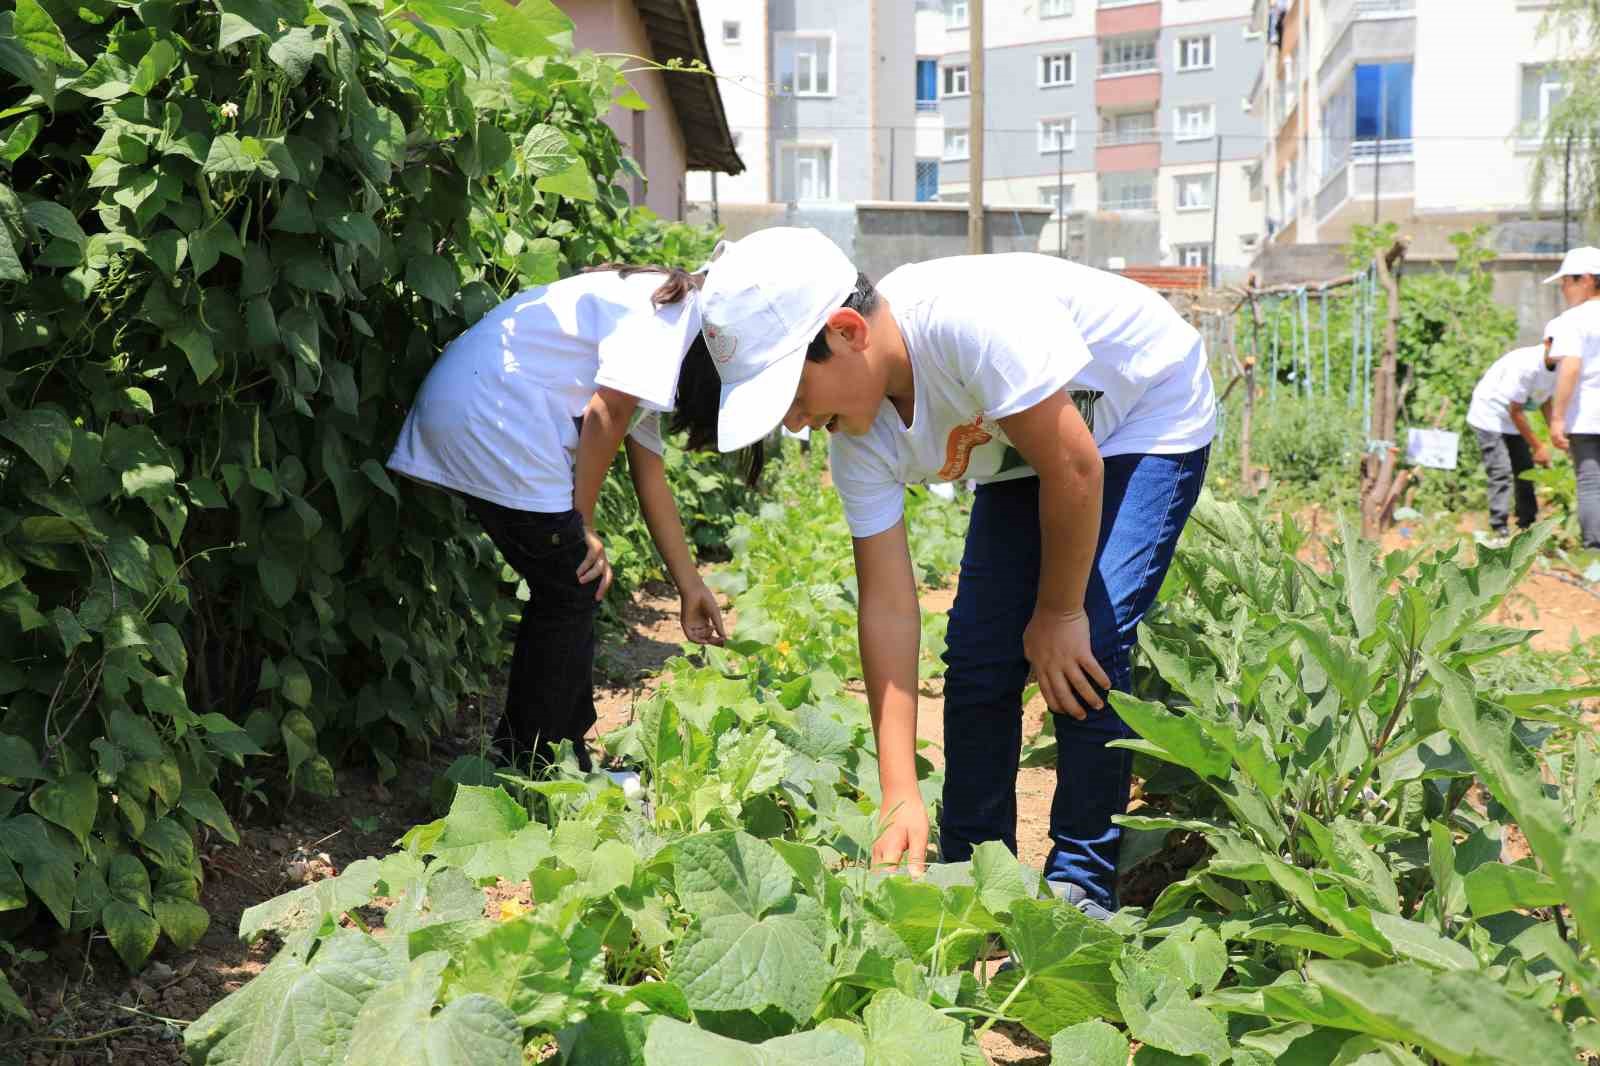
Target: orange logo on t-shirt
[(958, 448)]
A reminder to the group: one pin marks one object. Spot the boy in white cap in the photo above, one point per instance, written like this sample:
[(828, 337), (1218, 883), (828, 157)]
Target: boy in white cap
[(1081, 403), (1575, 410), (1522, 378)]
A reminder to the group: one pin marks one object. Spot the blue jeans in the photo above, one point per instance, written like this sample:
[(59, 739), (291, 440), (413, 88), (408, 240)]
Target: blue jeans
[(1147, 500)]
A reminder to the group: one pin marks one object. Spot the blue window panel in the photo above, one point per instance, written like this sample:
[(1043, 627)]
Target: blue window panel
[(927, 180), (1383, 101), (927, 80)]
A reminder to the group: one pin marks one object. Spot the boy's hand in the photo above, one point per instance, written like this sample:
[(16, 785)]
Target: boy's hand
[(701, 615), (595, 566), (1558, 434), (902, 833), (1057, 645), (1541, 455)]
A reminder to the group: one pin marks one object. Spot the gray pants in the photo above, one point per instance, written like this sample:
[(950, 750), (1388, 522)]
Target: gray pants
[(1586, 457), (1506, 455)]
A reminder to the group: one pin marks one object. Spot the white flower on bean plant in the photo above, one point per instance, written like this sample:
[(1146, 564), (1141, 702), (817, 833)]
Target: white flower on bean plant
[(230, 110)]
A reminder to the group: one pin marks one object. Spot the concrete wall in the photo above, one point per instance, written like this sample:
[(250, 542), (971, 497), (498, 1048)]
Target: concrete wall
[(1518, 278), (1225, 86), (879, 236), (652, 137)]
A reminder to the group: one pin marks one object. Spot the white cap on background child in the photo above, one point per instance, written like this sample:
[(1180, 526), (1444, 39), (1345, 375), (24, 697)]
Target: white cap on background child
[(766, 298), (1585, 260)]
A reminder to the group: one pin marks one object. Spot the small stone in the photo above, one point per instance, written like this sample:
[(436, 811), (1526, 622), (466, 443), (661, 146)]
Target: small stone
[(158, 973), (278, 843)]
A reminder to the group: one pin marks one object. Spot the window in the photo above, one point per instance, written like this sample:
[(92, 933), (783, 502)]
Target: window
[(807, 172), (1131, 190), (1053, 196), (927, 180), (731, 32), (1252, 178), (1543, 87), (805, 64), (1249, 242), (1055, 9), (1383, 101), (1194, 191), (1194, 255), (1127, 55), (927, 85), (955, 143), (955, 80), (1055, 69), (1134, 127), (1194, 53), (1194, 122), (1058, 134), (955, 14)]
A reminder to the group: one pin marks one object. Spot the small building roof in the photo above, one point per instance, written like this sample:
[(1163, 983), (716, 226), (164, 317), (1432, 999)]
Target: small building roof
[(676, 32)]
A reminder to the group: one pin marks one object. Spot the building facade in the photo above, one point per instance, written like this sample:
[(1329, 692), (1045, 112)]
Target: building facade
[(1406, 111), (1132, 118), (820, 96)]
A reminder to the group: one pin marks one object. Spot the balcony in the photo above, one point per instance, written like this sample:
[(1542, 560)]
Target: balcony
[(1108, 138), (927, 105), (1362, 31), (1126, 156), (1357, 177), (1129, 203)]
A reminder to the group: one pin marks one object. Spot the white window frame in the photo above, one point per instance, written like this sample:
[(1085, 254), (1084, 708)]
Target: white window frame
[(1182, 251), (1182, 43), (1182, 131), (965, 133), (786, 153), (1045, 62), (955, 72), (790, 39), (957, 14), (1047, 144), (737, 37), (1047, 196), (1055, 9), (1127, 43), (1203, 180), (1532, 129)]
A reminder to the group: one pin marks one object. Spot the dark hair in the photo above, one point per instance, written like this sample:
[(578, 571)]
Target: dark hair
[(698, 402), (699, 398), (863, 300), (679, 283)]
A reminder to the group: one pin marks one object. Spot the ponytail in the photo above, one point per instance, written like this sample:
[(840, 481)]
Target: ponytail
[(679, 284)]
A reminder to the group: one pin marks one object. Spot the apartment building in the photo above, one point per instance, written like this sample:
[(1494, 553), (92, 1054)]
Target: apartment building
[(1423, 112), (820, 97), (1132, 118)]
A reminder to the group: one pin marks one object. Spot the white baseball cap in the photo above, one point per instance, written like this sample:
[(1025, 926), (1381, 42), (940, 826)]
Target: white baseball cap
[(766, 298), (1585, 260)]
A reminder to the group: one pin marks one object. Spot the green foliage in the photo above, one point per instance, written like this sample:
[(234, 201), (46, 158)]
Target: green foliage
[(233, 236), (1567, 167)]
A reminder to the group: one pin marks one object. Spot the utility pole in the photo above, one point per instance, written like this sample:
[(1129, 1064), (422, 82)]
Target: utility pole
[(975, 129), (1216, 207), (1566, 197)]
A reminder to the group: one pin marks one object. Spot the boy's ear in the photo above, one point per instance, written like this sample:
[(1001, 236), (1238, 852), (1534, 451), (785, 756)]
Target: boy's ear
[(851, 326)]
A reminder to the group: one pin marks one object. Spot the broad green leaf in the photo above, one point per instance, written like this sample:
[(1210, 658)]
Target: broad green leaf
[(278, 580), (1459, 1017), (1418, 943), (902, 1031), (70, 802), (202, 805), (673, 1043), (1495, 888), (57, 221), (545, 151), (11, 1004), (1090, 1043), (184, 921), (729, 962), (1180, 737), (730, 873), (295, 1010), (1063, 967), (527, 28), (545, 979), (1160, 1014), (434, 277), (398, 1026), (325, 901), (19, 137), (573, 182), (44, 434), (157, 63), (39, 34), (243, 19), (132, 932), (18, 759), (196, 344), (296, 51)]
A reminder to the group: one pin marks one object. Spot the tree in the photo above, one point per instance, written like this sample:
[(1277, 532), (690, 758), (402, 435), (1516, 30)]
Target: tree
[(1568, 164)]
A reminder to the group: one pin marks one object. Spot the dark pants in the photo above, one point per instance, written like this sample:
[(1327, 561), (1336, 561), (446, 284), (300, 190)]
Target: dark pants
[(1147, 500), (550, 696), (1505, 457), (1586, 458)]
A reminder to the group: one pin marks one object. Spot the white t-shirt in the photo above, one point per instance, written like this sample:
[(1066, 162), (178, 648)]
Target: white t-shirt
[(993, 335), (1577, 332), (497, 417), (1517, 377)]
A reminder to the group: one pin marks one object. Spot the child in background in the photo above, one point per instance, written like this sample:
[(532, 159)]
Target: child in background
[(1522, 378)]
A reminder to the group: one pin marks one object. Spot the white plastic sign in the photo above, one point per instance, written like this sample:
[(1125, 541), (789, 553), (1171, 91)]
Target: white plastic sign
[(1435, 448)]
